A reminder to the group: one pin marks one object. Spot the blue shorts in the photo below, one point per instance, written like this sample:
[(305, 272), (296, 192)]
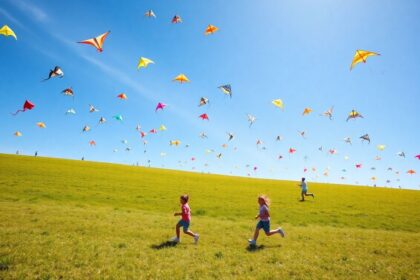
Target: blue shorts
[(184, 224), (265, 225)]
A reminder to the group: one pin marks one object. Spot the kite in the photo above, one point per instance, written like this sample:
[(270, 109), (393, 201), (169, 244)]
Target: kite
[(181, 78), (361, 56), (86, 128), (302, 133), (203, 101), (291, 150), (162, 127), (143, 134), (41, 125), (71, 111), (160, 106), (353, 115), (306, 111), (278, 103), (226, 89), (7, 31), (259, 142), (174, 142), (347, 140), (176, 19), (380, 147), (328, 113), (97, 42), (92, 109), (162, 154), (210, 29), (118, 117), (17, 134), (279, 138), (346, 157), (224, 146), (230, 136), (92, 143), (378, 158), (204, 117), (150, 14), (102, 120), (144, 62), (122, 96), (68, 92), (251, 119), (401, 154), (28, 105), (56, 72), (332, 151), (411, 172), (138, 128), (153, 131), (203, 135), (219, 156), (320, 149), (124, 141), (358, 165), (417, 157), (365, 138)]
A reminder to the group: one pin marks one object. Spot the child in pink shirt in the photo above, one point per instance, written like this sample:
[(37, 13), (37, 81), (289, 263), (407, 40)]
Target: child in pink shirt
[(264, 222), (185, 220)]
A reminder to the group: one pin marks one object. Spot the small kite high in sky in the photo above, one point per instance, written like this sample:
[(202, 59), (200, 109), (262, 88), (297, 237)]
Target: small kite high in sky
[(306, 111), (411, 172), (380, 147), (417, 157), (278, 103), (97, 42), (68, 92), (92, 143), (122, 96), (102, 120), (401, 154), (174, 143), (210, 29), (365, 137), (361, 56), (41, 125), (7, 31), (118, 117), (86, 128), (71, 111), (347, 140), (251, 119), (204, 117), (17, 134), (150, 14), (203, 101), (56, 72), (28, 105), (292, 150), (176, 19), (181, 78), (230, 136), (160, 106), (92, 109), (226, 89), (328, 113), (162, 127), (354, 115), (144, 62)]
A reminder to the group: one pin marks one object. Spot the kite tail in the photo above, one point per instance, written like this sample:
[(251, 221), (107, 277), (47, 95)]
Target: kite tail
[(17, 112)]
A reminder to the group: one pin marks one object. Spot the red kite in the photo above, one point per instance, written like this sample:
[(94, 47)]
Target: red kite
[(122, 96), (176, 19), (291, 150), (204, 117), (28, 105), (160, 106), (97, 42), (411, 172)]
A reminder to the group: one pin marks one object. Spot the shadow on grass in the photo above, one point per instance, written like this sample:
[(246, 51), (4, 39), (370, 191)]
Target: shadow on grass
[(164, 245), (256, 248)]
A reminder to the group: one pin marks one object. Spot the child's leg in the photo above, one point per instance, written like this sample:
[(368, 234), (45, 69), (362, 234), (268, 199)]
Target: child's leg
[(177, 230), (189, 232), (302, 195), (256, 233), (309, 194), (271, 232)]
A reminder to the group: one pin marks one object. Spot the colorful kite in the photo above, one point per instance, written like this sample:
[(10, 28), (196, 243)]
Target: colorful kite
[(210, 29), (204, 117), (328, 113), (361, 56), (92, 109), (56, 72), (41, 125), (162, 127), (153, 131), (68, 92), (226, 89), (92, 143), (17, 134), (353, 115), (150, 14), (118, 117), (292, 151), (417, 157), (306, 111), (86, 128), (411, 172), (181, 78), (122, 96), (278, 103), (143, 134), (160, 106), (97, 42), (358, 165), (28, 105), (174, 143), (176, 19), (365, 138), (144, 62), (7, 31), (203, 101), (102, 120)]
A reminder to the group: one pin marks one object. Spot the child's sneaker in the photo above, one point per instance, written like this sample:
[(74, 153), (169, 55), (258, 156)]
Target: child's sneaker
[(174, 239), (280, 230), (196, 237), (252, 242)]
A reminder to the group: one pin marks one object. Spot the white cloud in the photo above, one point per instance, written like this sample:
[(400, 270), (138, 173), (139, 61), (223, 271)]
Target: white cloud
[(30, 10)]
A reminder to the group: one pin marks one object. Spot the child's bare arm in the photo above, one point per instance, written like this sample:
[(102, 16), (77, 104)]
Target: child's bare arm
[(177, 214), (256, 217)]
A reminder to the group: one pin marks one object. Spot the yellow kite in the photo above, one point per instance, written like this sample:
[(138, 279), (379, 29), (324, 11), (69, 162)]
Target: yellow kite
[(278, 103), (7, 31), (361, 56), (143, 62), (174, 142), (41, 125), (210, 29), (181, 78), (162, 127), (381, 147), (307, 111), (17, 134)]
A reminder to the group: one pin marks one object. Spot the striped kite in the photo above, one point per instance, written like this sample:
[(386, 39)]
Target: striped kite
[(353, 115), (97, 42), (226, 89)]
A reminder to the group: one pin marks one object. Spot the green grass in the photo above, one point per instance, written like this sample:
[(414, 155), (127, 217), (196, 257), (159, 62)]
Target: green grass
[(83, 220)]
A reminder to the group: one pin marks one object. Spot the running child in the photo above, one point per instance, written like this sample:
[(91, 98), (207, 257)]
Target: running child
[(185, 220), (264, 222), (304, 190)]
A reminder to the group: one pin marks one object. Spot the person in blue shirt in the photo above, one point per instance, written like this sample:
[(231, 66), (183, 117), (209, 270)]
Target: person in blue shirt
[(304, 189)]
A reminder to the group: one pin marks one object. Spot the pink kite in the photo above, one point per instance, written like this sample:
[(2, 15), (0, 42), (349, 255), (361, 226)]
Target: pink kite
[(28, 105), (160, 106), (204, 117), (291, 150)]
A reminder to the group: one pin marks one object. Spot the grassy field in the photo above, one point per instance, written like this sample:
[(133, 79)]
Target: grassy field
[(82, 220)]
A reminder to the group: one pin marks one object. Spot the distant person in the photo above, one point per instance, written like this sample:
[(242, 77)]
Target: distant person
[(17, 152), (83, 158), (185, 220), (304, 189), (264, 222), (36, 153)]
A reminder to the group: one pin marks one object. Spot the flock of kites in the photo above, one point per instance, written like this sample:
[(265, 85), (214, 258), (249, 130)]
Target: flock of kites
[(98, 42)]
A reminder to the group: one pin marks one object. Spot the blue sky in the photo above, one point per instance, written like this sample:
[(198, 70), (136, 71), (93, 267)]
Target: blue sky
[(299, 51)]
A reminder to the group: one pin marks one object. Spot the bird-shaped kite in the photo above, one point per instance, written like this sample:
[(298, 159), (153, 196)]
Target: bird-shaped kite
[(279, 138), (97, 42), (278, 103), (17, 134), (380, 147), (230, 136), (401, 154), (144, 62), (118, 117), (358, 165), (176, 19), (162, 127), (102, 120), (210, 29), (203, 101), (306, 111), (411, 172), (138, 127), (174, 143), (160, 106), (365, 137), (251, 119), (71, 111), (328, 113), (353, 115), (361, 56), (181, 78), (56, 72), (292, 151), (28, 105), (347, 140), (204, 117), (226, 89), (92, 109), (302, 133), (122, 96), (417, 157), (150, 14), (7, 31), (143, 134), (86, 128), (41, 125), (153, 131), (219, 156), (68, 92)]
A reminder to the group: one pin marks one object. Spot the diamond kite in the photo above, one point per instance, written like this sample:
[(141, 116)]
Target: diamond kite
[(28, 105)]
